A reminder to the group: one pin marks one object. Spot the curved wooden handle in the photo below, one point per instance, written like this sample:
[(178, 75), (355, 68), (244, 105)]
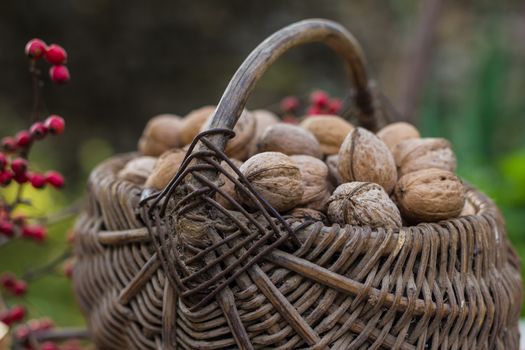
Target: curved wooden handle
[(255, 65)]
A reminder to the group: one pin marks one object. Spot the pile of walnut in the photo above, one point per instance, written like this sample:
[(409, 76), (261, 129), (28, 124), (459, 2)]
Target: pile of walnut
[(324, 168)]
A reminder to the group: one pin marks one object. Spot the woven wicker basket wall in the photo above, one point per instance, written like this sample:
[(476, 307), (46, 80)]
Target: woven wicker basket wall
[(176, 270)]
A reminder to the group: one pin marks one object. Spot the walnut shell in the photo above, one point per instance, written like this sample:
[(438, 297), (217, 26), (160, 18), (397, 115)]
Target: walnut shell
[(363, 204), (418, 154), (430, 195), (227, 185), (161, 133), (275, 177), (165, 169), (364, 157), (314, 175), (263, 119), (193, 122), (137, 170), (330, 131), (395, 133), (308, 214), (333, 171), (290, 140)]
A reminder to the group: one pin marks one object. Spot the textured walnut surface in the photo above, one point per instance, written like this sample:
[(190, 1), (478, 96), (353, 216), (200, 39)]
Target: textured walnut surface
[(330, 131), (430, 195), (363, 204), (364, 157), (290, 140), (277, 179)]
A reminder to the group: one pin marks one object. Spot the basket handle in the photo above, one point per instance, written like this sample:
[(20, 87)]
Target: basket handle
[(263, 56)]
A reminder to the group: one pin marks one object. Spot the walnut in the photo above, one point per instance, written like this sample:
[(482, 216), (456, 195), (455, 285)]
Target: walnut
[(308, 214), (165, 169), (137, 170), (275, 177), (333, 171), (263, 119), (417, 154), (364, 157), (363, 204), (226, 184), (193, 122), (290, 140), (161, 133), (330, 131), (314, 175), (395, 133), (430, 195)]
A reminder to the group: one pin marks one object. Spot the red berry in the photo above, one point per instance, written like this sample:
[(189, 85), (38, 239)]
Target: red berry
[(17, 313), (5, 317), (45, 323), (22, 332), (56, 54), (19, 165), (319, 98), (334, 106), (289, 104), (19, 220), (21, 178), (3, 161), (35, 48), (23, 139), (37, 180), (54, 179), (49, 345), (314, 110), (55, 124), (5, 178), (7, 280), (9, 144), (36, 232), (59, 74), (6, 228), (20, 288), (38, 130), (68, 269)]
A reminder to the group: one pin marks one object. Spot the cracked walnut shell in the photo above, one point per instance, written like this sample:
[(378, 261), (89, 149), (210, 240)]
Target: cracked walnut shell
[(364, 157), (363, 204)]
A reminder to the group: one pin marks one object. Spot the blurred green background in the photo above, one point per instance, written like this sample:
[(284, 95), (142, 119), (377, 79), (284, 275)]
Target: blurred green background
[(131, 60)]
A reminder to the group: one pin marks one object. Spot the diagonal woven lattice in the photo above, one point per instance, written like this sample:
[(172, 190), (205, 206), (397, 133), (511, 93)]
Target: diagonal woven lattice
[(196, 238)]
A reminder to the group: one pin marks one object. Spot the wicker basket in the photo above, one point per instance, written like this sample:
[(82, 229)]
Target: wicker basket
[(176, 270)]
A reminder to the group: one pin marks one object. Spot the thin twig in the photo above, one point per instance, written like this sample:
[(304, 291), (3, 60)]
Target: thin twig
[(61, 334), (32, 275), (63, 214)]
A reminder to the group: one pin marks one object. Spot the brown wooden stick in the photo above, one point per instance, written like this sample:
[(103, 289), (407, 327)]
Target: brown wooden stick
[(346, 285)]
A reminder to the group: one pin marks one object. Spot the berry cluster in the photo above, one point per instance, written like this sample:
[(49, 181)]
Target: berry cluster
[(318, 103), (54, 55), (16, 170), (12, 315), (11, 284)]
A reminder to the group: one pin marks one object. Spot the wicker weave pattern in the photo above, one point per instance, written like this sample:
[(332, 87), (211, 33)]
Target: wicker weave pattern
[(179, 271), (449, 285)]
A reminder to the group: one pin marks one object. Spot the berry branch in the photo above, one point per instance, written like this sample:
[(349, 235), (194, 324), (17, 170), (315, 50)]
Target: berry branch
[(17, 171)]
